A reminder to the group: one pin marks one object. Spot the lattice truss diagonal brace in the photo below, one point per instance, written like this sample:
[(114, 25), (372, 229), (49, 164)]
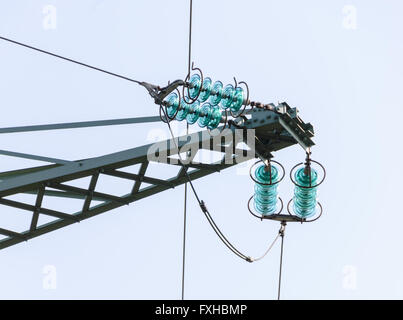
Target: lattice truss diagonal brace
[(272, 132)]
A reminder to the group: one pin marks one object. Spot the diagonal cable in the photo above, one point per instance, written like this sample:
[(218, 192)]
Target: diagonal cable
[(68, 59)]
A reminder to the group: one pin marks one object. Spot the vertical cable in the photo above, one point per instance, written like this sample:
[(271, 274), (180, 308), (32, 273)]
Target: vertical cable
[(186, 185), (184, 243), (190, 35), (281, 257)]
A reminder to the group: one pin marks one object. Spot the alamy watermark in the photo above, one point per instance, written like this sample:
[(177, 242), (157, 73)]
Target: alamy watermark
[(349, 281), (225, 142), (49, 281), (349, 21), (49, 21)]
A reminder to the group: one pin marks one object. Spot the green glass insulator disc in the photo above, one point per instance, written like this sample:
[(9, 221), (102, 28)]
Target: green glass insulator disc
[(172, 104), (194, 112), (305, 198), (263, 176), (227, 96), (266, 196), (237, 100), (205, 115), (194, 86), (183, 110), (216, 117), (304, 179), (216, 93), (206, 90)]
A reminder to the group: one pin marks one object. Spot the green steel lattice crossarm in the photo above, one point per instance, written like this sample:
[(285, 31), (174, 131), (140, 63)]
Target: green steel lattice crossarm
[(272, 132)]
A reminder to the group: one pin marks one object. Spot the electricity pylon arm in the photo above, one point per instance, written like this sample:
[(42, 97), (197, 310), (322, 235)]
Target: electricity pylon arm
[(273, 132)]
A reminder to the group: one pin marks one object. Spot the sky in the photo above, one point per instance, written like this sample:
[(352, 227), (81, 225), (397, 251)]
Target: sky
[(339, 63)]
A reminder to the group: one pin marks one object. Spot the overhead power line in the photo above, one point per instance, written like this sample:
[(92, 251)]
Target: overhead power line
[(70, 60), (186, 185)]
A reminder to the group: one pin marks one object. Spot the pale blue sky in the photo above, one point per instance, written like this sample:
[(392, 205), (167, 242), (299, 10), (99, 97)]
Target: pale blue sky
[(347, 83)]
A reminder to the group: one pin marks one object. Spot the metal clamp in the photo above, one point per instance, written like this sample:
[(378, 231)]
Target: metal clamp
[(158, 93)]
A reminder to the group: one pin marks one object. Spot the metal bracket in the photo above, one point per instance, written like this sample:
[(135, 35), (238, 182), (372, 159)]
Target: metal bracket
[(158, 93)]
